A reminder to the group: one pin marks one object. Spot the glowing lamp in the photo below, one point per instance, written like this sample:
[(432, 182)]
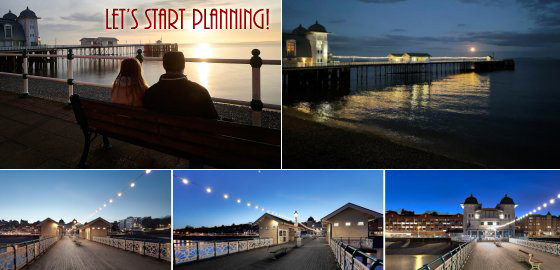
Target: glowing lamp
[(226, 196), (208, 190), (148, 171), (119, 194), (185, 181), (132, 184)]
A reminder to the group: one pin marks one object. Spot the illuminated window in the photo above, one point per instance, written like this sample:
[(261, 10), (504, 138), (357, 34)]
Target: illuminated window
[(336, 224), (291, 47), (361, 223), (347, 224)]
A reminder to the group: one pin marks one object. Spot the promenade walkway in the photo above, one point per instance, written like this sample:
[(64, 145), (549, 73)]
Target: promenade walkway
[(38, 133), (487, 256), (69, 254), (313, 255)]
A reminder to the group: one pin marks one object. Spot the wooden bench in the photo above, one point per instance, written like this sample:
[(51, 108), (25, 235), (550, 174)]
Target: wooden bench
[(278, 250), (217, 143), (534, 262)]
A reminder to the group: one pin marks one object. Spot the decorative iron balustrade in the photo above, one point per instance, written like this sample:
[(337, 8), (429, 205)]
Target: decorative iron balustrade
[(350, 258), (452, 260), (255, 62), (191, 250), (544, 246), (25, 252), (356, 242), (158, 250)]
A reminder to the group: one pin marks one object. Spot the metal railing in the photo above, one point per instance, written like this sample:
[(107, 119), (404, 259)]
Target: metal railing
[(358, 242), (193, 250), (159, 250), (455, 259), (17, 255), (255, 62), (544, 246), (350, 258)]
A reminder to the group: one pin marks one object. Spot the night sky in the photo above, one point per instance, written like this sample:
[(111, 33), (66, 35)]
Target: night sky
[(311, 193), (505, 28), (444, 191), (36, 195)]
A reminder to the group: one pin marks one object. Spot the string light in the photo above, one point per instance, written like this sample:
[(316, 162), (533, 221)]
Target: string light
[(248, 204), (226, 196), (185, 181), (531, 212), (110, 200), (119, 194), (148, 171), (208, 190), (238, 200), (132, 184)]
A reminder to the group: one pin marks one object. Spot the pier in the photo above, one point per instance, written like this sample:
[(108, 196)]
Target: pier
[(335, 79)]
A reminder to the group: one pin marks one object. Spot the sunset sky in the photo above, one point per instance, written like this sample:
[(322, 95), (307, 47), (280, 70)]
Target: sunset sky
[(69, 20)]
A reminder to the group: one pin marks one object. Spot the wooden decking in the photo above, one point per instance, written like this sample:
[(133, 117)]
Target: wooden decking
[(313, 255), (487, 256), (82, 254)]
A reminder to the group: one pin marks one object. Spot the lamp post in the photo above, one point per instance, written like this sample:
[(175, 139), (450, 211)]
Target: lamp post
[(295, 217)]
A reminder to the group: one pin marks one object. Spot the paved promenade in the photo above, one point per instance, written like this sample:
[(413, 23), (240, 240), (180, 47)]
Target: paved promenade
[(38, 133), (487, 256), (81, 254), (313, 255)]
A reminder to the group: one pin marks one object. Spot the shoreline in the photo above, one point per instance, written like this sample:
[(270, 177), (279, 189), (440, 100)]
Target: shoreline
[(309, 144), (56, 91)]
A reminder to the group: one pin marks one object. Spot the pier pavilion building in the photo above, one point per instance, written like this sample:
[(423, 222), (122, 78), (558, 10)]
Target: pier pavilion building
[(98, 227), (21, 30), (49, 228), (488, 223), (350, 221), (279, 229), (409, 57), (306, 46)]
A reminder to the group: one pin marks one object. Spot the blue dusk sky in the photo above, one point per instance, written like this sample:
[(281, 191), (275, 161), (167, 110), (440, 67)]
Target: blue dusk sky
[(508, 28), (311, 193), (36, 195), (444, 191)]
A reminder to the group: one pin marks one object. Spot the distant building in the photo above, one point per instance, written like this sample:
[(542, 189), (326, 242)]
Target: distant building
[(99, 41), (306, 46), (432, 224), (409, 57), (98, 227), (488, 223), (130, 223), (21, 30), (280, 230), (539, 226), (350, 221)]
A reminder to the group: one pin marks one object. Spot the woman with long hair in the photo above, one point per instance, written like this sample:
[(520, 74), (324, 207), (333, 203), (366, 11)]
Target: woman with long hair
[(129, 86)]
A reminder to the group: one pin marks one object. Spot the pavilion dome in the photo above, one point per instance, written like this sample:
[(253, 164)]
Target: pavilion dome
[(27, 13), (471, 200), (300, 30), (10, 16), (317, 28), (507, 200)]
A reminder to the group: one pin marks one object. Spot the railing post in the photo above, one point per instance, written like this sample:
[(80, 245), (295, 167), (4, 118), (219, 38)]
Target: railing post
[(15, 256), (25, 67), (70, 73), (256, 103), (139, 56), (214, 248), (197, 248)]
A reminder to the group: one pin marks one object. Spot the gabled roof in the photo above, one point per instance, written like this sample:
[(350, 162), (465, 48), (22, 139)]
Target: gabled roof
[(418, 54), (355, 207), (88, 224), (47, 220), (279, 219), (396, 54)]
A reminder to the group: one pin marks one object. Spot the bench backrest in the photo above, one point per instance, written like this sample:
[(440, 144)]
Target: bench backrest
[(214, 142)]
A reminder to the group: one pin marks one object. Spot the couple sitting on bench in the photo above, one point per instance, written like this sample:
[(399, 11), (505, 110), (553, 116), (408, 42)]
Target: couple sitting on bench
[(172, 94)]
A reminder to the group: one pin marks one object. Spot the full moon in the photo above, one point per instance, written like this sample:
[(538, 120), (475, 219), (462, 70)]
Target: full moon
[(473, 49)]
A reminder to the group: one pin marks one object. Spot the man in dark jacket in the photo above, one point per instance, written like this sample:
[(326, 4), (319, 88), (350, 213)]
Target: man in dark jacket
[(175, 94)]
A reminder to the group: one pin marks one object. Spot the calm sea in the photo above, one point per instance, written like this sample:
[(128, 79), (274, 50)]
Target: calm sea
[(231, 81), (496, 119)]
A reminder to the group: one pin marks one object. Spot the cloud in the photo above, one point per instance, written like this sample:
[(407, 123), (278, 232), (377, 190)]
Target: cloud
[(84, 17), (461, 25), (545, 13), (381, 1), (398, 30), (484, 2), (58, 27)]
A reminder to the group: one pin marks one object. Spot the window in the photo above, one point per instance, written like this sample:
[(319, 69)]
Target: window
[(481, 223), (490, 223), (336, 224), (291, 47), (361, 223), (7, 31), (347, 224)]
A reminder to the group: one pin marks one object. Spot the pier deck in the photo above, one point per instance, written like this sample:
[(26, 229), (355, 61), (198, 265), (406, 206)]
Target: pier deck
[(313, 255), (82, 254), (487, 256)]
